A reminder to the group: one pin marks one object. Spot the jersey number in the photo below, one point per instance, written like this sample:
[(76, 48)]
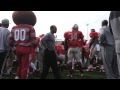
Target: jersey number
[(19, 34), (73, 36)]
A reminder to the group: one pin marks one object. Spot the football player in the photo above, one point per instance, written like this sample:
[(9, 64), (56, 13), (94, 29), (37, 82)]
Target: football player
[(74, 52)]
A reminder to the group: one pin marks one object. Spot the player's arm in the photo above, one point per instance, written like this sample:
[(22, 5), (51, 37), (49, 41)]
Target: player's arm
[(65, 42), (65, 47), (82, 36), (33, 37), (65, 50)]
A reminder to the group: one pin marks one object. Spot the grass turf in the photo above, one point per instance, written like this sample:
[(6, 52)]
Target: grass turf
[(87, 75)]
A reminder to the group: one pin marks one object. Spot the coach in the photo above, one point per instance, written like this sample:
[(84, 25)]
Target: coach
[(50, 55)]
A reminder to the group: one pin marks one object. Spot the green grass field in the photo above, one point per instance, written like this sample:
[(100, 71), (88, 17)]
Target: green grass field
[(87, 75)]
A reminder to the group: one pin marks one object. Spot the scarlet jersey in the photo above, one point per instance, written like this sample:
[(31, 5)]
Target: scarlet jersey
[(23, 35), (94, 35), (60, 49), (73, 38), (66, 35)]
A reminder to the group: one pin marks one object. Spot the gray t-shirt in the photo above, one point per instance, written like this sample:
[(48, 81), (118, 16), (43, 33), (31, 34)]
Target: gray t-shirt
[(4, 33), (106, 37), (48, 41)]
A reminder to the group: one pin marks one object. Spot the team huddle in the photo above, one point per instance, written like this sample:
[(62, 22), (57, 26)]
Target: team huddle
[(43, 53)]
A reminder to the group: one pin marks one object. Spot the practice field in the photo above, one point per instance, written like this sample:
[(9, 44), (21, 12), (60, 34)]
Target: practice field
[(87, 75)]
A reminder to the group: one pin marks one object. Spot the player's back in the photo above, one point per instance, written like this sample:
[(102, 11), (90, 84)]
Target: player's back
[(73, 38), (94, 35), (23, 34)]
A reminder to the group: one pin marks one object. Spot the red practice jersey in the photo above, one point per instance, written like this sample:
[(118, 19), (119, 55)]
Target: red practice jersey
[(94, 35), (74, 38), (66, 35), (23, 35), (60, 49)]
